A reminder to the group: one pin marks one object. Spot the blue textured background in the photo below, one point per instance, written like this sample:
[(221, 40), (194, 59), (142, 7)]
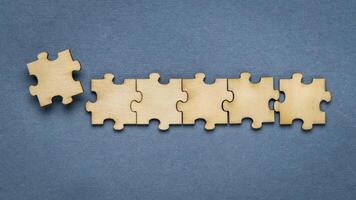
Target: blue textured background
[(55, 153)]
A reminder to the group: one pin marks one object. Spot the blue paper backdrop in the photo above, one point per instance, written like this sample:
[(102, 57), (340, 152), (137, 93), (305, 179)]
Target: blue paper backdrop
[(55, 153)]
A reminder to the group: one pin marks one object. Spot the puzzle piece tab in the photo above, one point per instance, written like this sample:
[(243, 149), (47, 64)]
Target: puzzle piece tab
[(113, 101), (205, 101), (159, 101), (251, 100), (302, 101), (54, 78)]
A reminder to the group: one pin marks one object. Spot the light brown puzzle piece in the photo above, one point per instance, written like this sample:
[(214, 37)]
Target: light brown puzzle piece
[(251, 100), (113, 101), (302, 101), (205, 101), (54, 78), (159, 101)]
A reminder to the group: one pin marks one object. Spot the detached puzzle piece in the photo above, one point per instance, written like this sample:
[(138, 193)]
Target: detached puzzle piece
[(205, 101), (159, 101), (302, 101), (251, 100), (113, 101), (54, 78)]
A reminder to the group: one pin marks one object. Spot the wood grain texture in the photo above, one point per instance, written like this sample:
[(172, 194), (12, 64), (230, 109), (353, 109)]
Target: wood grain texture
[(302, 101), (205, 101), (54, 78), (251, 100), (113, 101), (159, 101)]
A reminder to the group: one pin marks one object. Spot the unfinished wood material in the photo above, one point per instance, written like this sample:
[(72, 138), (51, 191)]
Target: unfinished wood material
[(302, 101), (113, 101), (54, 78), (159, 101), (205, 101), (251, 100)]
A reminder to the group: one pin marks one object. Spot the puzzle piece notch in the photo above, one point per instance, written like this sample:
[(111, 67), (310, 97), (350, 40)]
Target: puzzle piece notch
[(251, 100), (113, 101), (54, 78), (205, 101), (302, 101), (159, 101)]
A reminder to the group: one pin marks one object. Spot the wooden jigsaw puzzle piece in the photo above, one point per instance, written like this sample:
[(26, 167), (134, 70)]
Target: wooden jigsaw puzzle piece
[(205, 101), (54, 78), (113, 101), (159, 101), (302, 101), (251, 100)]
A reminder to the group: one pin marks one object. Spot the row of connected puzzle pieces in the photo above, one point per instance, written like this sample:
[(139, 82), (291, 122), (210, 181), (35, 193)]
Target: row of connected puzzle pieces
[(226, 101), (182, 101)]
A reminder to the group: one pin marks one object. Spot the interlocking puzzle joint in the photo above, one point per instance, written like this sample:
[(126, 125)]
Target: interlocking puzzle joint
[(113, 101), (159, 101), (182, 101), (205, 101), (251, 100)]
